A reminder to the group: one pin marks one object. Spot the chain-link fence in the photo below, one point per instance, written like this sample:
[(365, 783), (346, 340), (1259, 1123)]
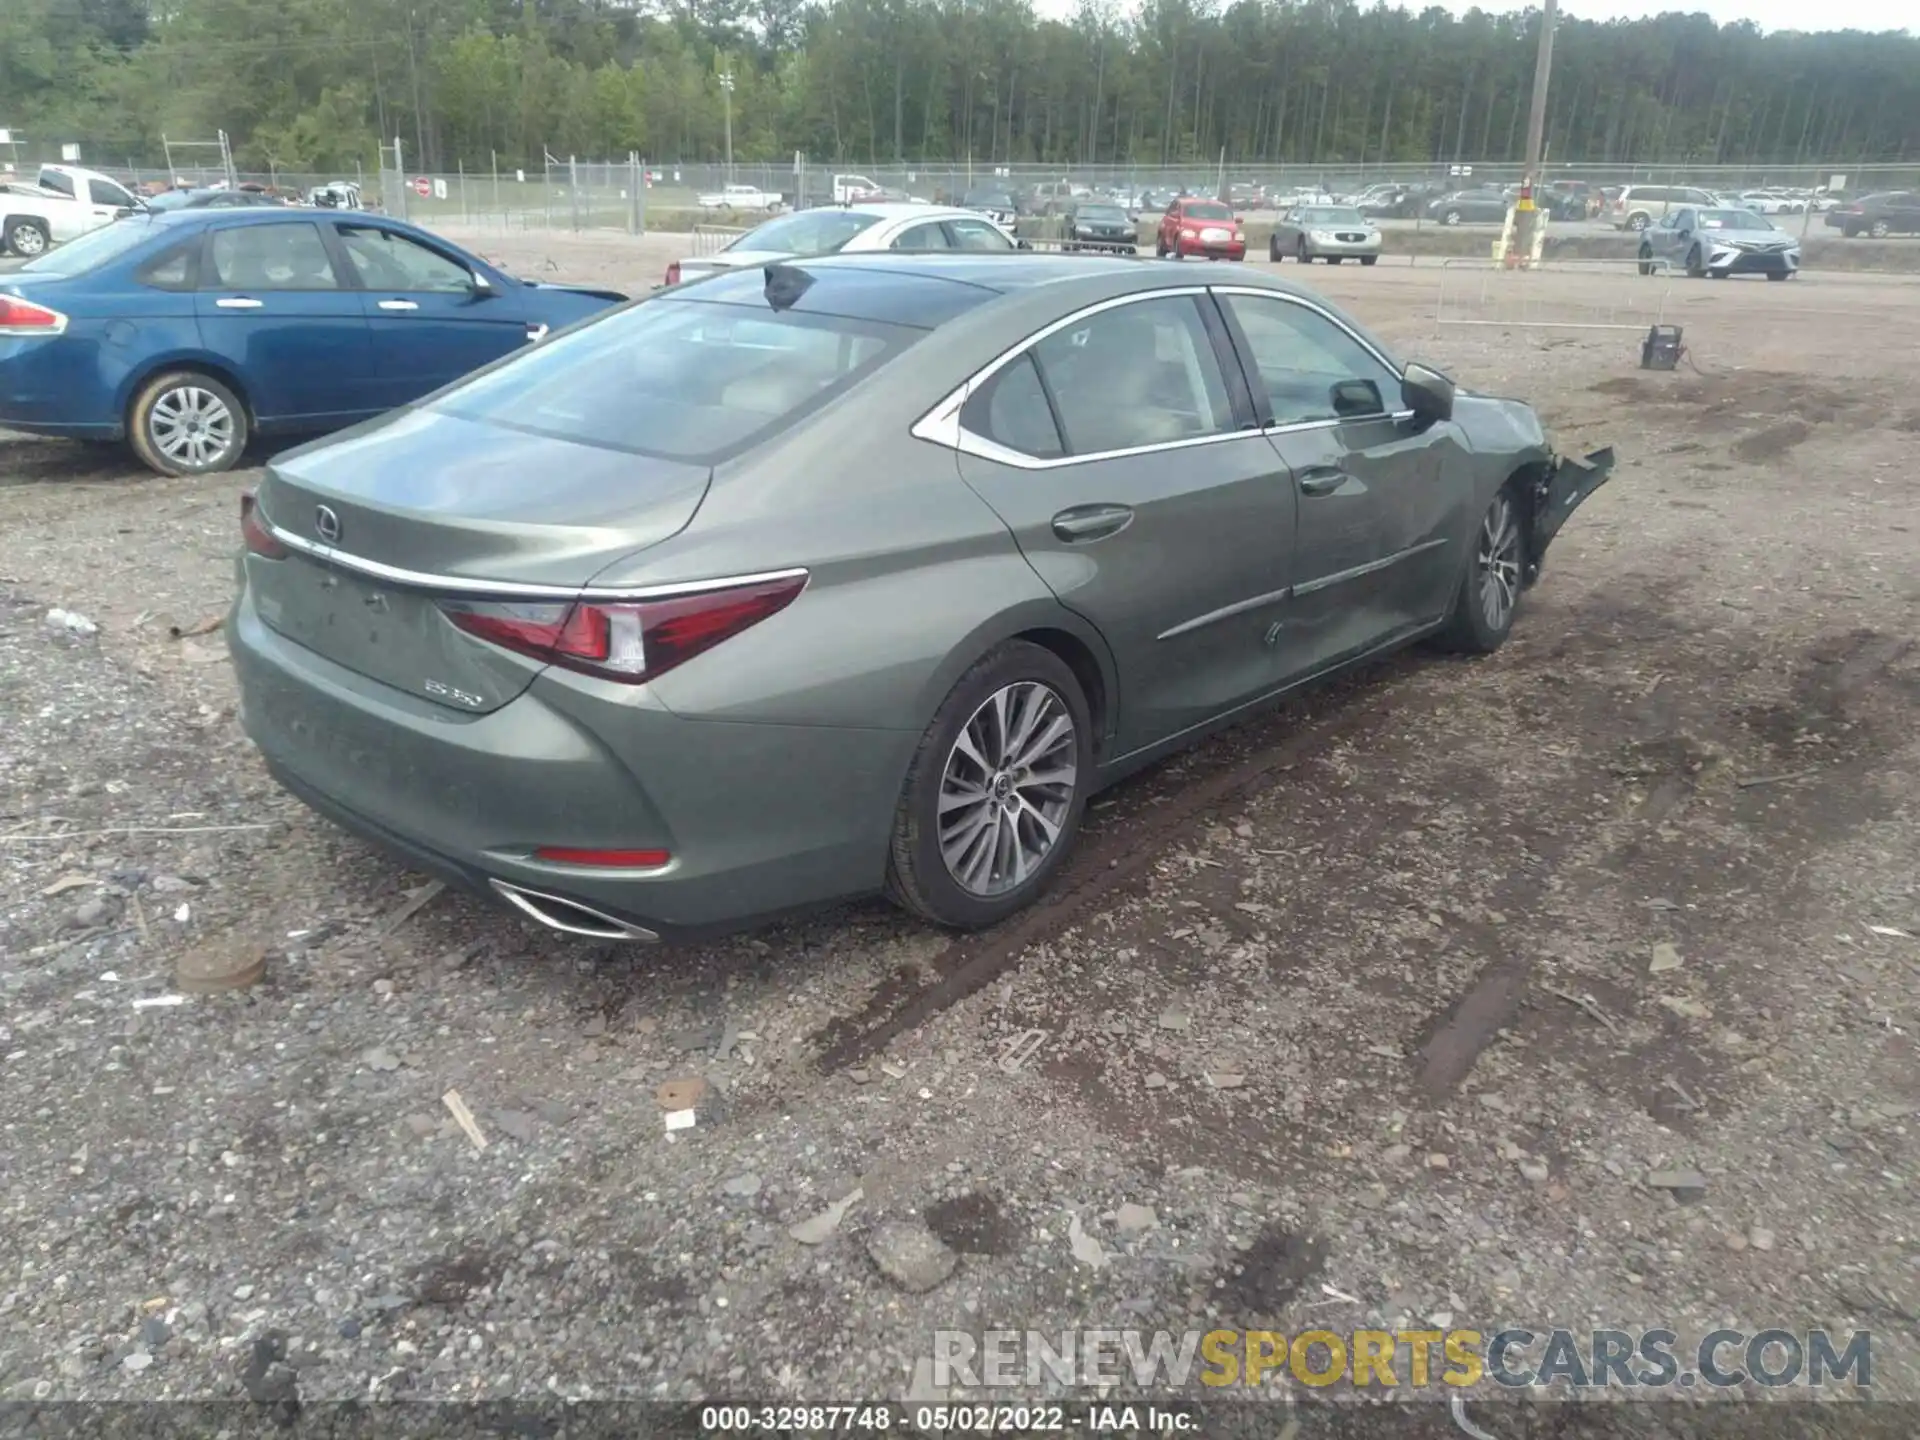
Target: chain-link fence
[(634, 194)]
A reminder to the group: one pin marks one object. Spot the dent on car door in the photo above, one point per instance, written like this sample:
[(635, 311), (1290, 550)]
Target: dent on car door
[(1383, 499), (1113, 449)]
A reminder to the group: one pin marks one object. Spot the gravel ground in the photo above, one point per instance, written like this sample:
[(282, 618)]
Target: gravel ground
[(1389, 1007)]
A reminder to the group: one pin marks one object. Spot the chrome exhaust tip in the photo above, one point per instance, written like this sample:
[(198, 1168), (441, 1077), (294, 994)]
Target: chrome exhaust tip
[(569, 917)]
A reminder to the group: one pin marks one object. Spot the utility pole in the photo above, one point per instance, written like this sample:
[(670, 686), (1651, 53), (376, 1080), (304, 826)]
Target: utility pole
[(1526, 215), (726, 95)]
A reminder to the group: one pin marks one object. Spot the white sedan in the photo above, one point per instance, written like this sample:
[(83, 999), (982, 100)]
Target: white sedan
[(740, 197), (851, 229)]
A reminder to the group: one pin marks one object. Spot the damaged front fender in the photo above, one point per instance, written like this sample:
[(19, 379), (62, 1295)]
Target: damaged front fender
[(1559, 487)]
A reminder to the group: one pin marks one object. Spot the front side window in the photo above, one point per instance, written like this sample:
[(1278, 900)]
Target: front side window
[(1304, 361), (678, 377), (387, 261), (268, 257), (105, 192), (1143, 373)]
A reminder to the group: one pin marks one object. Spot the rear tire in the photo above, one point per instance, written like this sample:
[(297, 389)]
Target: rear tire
[(1879, 230), (1779, 275), (184, 422), (973, 748), (1490, 581), (1696, 264), (27, 237), (1368, 259), (1646, 262)]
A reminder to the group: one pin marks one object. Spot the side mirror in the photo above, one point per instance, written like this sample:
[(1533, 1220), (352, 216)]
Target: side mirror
[(481, 285), (1022, 245), (1427, 393)]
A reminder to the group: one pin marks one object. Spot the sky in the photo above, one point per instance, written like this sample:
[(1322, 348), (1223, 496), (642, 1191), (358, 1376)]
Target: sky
[(1767, 14)]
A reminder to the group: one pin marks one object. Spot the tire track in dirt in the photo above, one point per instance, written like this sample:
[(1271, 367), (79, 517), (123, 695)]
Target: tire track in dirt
[(1152, 814)]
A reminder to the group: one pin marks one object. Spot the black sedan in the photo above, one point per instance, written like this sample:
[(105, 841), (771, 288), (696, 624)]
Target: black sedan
[(1893, 212), (1097, 225), (1482, 205)]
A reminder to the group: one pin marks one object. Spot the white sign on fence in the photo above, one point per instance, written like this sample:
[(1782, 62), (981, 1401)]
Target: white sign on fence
[(6, 137), (70, 154), (439, 188), (1836, 182)]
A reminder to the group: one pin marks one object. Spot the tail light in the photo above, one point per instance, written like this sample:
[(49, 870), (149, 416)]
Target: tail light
[(631, 642), (610, 859), (253, 530), (673, 273), (23, 317)]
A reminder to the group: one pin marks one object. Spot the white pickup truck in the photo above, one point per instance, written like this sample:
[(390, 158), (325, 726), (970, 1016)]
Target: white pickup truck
[(63, 203), (740, 197)]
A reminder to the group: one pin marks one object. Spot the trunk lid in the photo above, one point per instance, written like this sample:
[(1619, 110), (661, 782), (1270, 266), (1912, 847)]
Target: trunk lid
[(694, 268), (425, 506)]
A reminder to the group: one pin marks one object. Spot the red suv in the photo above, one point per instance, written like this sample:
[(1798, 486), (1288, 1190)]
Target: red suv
[(1200, 227)]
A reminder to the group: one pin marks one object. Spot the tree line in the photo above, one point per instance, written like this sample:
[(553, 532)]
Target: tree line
[(315, 85)]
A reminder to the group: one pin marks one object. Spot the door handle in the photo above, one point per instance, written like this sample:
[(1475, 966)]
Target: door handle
[(239, 302), (1323, 480), (398, 305), (1091, 522)]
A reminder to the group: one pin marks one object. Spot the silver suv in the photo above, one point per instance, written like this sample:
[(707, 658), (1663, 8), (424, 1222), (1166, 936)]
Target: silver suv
[(1638, 206)]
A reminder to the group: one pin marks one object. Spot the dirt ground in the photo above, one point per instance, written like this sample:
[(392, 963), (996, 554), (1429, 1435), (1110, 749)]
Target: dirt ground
[(1390, 1005)]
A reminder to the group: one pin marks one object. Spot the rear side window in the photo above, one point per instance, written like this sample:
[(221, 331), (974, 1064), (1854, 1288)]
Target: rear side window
[(1011, 409), (172, 269), (679, 378), (55, 181)]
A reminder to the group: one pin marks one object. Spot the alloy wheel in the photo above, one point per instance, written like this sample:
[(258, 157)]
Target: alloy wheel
[(1498, 561), (1007, 788), (28, 241), (191, 426)]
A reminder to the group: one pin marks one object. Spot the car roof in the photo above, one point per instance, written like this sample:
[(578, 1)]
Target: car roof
[(903, 210), (1009, 273)]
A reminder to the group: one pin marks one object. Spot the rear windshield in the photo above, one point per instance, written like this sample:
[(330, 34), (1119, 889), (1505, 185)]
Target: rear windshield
[(807, 232), (1208, 210), (93, 249), (679, 378)]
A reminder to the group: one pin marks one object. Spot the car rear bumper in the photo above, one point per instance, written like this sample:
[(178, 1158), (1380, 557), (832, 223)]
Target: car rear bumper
[(53, 387), (759, 819)]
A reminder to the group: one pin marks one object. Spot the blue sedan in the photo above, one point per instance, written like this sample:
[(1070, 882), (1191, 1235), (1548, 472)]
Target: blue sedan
[(188, 333)]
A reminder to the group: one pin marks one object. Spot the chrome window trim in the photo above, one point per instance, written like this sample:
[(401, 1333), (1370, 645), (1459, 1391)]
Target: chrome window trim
[(941, 424), (468, 585)]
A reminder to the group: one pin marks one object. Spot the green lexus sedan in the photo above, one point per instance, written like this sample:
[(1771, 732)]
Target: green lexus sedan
[(858, 574)]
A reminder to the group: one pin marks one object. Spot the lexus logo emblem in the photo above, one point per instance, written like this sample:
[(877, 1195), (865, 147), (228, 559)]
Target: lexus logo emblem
[(326, 524)]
